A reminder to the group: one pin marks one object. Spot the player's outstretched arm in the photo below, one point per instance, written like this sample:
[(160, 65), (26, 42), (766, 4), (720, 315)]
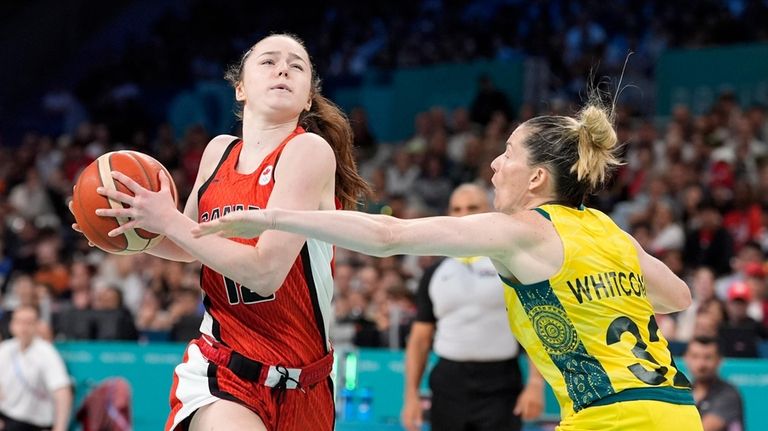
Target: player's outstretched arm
[(490, 234)]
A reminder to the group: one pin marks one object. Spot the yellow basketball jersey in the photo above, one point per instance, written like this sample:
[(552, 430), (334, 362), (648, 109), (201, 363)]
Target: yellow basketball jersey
[(590, 328)]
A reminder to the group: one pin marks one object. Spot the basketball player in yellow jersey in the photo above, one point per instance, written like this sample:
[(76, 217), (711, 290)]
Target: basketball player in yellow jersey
[(581, 293)]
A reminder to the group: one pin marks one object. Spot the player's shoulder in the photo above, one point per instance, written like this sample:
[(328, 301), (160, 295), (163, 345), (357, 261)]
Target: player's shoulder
[(309, 146), (214, 151), (309, 142), (219, 144), (519, 225)]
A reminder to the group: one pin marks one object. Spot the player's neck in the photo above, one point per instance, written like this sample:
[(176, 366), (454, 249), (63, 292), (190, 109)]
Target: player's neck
[(263, 134), (537, 201)]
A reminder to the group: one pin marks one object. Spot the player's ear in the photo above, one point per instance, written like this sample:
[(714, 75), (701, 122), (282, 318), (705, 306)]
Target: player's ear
[(539, 178)]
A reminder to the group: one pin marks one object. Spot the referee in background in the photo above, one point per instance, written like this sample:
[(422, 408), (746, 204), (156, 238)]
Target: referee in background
[(476, 385)]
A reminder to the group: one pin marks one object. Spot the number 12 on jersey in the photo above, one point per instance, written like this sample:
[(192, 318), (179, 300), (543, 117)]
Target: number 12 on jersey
[(237, 293)]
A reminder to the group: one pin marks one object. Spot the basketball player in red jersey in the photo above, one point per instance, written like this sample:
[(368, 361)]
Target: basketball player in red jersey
[(264, 360)]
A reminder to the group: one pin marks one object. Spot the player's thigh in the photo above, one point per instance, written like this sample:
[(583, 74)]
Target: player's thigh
[(226, 415)]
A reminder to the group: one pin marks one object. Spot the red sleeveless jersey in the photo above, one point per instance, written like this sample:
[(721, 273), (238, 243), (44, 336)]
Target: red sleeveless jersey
[(287, 328)]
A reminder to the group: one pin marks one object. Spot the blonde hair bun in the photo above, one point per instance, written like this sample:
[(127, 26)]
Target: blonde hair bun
[(597, 141)]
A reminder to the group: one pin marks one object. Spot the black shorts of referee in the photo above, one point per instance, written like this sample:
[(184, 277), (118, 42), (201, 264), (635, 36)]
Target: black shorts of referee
[(475, 396), (9, 424)]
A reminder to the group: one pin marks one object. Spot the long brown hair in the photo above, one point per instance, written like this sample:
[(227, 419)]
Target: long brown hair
[(327, 120)]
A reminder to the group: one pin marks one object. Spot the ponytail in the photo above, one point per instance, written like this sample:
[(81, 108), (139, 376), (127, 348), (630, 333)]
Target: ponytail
[(597, 142), (328, 121)]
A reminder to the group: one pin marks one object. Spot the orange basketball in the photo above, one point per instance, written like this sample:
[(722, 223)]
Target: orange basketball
[(85, 201)]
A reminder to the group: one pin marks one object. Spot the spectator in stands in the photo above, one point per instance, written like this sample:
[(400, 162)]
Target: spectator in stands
[(472, 164), (80, 276), (423, 129), (110, 319), (744, 217), (394, 313), (760, 289), (51, 272), (710, 244), (706, 325), (433, 188), (377, 202), (691, 198), (152, 321), (168, 281), (402, 172), (73, 320), (461, 132), (186, 313), (366, 334), (667, 233), (754, 277), (31, 199), (35, 392), (488, 101), (740, 334), (674, 260), (342, 331), (749, 256), (704, 300), (123, 272), (719, 402), (24, 292), (364, 140)]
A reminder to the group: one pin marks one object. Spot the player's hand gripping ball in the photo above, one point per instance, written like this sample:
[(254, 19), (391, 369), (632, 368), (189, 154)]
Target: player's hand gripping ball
[(141, 168)]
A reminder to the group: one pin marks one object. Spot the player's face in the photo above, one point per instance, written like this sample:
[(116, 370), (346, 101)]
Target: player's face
[(277, 79), (467, 202), (512, 174), (702, 361)]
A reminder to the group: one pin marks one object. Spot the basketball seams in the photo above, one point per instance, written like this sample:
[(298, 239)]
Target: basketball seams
[(105, 168), (107, 239), (135, 242), (141, 160)]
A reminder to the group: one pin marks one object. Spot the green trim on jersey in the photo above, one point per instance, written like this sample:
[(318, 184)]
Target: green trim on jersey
[(665, 394), (543, 212), (585, 378)]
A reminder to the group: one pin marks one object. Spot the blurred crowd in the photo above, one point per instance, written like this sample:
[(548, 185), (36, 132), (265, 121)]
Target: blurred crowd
[(198, 39), (694, 192)]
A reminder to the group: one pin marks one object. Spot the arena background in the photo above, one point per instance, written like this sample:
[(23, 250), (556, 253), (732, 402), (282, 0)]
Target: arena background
[(433, 89)]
